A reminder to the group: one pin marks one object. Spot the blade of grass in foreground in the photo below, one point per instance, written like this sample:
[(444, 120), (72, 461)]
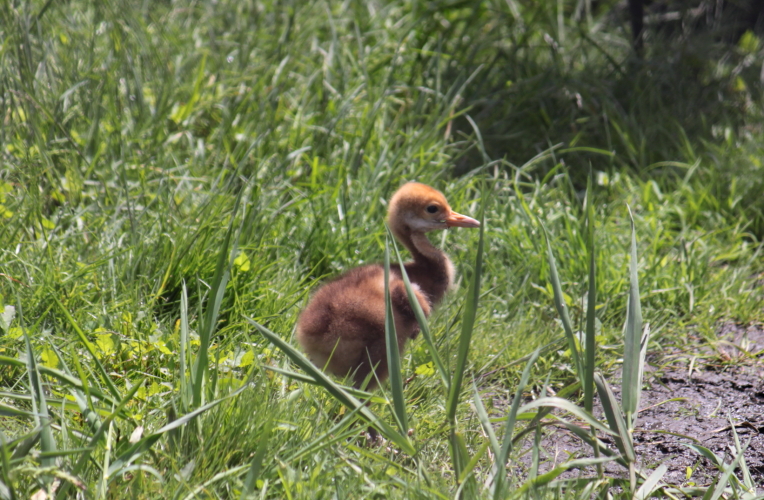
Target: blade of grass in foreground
[(632, 366), (590, 342), (393, 354), (615, 418), (337, 392), (459, 454), (468, 322), (485, 421)]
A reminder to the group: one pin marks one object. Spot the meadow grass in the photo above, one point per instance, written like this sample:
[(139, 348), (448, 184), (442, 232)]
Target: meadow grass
[(173, 173)]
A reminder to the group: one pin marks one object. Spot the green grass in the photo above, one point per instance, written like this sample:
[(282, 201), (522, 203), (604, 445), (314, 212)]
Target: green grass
[(130, 130)]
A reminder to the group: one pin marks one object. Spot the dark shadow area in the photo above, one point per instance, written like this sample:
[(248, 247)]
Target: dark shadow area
[(543, 76), (695, 84)]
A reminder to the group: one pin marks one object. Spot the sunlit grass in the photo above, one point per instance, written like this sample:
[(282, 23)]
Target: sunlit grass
[(173, 174)]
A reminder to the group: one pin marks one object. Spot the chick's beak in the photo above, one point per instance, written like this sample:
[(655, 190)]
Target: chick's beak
[(459, 220)]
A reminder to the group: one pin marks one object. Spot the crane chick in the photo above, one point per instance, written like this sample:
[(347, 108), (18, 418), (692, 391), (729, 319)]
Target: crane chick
[(342, 329)]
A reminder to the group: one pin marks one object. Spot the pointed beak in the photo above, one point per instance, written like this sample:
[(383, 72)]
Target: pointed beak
[(459, 220)]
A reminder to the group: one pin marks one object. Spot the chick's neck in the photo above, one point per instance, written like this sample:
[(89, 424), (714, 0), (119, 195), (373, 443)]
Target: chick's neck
[(431, 268)]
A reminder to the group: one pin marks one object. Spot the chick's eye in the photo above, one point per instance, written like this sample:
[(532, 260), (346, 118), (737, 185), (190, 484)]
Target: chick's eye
[(432, 209)]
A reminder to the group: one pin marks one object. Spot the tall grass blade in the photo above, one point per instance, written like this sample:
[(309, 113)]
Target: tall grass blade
[(590, 342), (509, 428), (358, 393), (219, 283), (422, 320), (337, 392), (562, 308), (470, 466), (632, 349), (617, 423), (468, 322), (393, 353), (459, 454)]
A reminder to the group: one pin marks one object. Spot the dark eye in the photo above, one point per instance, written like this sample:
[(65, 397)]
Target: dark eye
[(432, 209)]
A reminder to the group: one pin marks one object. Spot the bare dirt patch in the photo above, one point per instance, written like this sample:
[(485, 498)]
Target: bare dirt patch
[(706, 397)]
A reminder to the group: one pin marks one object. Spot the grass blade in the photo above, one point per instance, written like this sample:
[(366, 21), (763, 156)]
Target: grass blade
[(461, 463), (358, 393), (393, 353), (468, 322), (590, 342), (632, 356)]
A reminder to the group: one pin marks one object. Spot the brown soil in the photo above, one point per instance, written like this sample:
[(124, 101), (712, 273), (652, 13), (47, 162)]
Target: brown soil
[(732, 386)]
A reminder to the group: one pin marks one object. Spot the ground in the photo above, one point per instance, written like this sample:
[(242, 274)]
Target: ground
[(691, 400)]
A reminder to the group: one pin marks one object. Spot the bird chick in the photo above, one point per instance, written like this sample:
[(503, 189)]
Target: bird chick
[(342, 329)]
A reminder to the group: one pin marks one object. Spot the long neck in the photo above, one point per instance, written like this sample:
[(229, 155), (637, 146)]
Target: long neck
[(431, 269)]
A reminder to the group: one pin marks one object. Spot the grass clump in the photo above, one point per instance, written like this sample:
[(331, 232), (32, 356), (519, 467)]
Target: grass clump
[(172, 175)]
